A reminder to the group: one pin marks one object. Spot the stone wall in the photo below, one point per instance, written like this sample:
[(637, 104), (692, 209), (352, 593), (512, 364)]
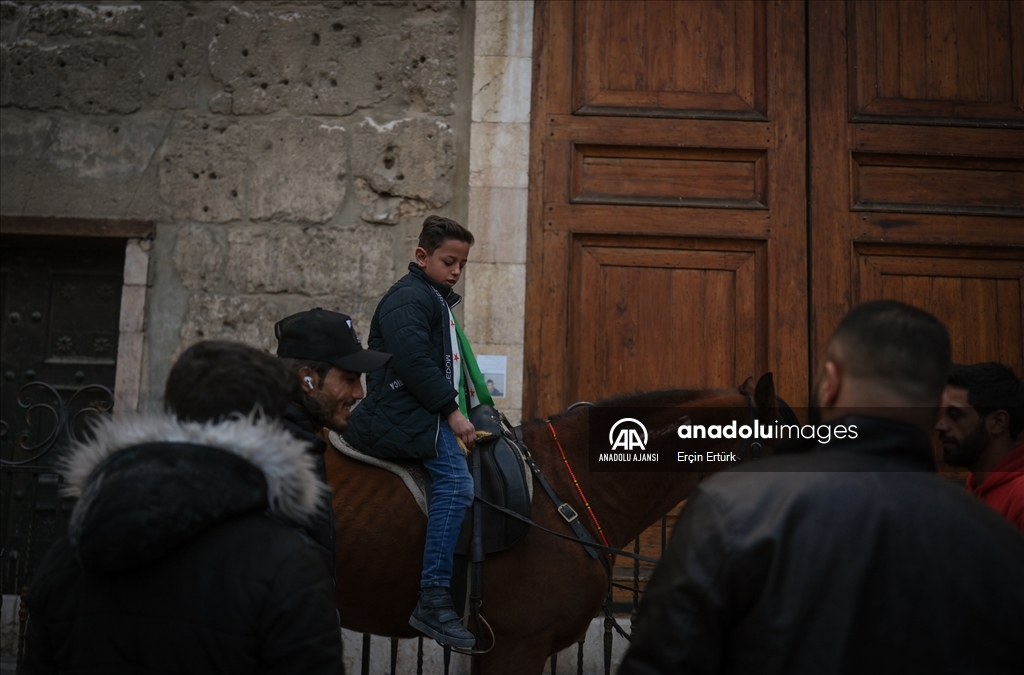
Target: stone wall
[(287, 152)]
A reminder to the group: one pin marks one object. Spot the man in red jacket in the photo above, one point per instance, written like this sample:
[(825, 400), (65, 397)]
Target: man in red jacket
[(982, 416)]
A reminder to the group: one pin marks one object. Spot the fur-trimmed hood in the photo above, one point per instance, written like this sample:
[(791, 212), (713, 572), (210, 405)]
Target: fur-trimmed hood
[(148, 483)]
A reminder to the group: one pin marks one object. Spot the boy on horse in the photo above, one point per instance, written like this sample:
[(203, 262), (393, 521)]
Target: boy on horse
[(416, 407)]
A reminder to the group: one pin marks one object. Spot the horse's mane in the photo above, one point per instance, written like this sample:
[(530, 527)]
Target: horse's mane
[(644, 398)]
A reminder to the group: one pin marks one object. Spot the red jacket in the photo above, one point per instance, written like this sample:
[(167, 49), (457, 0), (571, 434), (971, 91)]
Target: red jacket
[(1003, 488)]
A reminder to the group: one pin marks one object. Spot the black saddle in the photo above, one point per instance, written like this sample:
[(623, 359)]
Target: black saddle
[(501, 479)]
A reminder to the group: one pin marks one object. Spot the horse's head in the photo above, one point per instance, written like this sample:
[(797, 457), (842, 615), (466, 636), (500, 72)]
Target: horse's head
[(767, 408)]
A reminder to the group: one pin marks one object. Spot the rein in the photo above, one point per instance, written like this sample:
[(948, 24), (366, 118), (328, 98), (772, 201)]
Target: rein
[(576, 482), (582, 535)]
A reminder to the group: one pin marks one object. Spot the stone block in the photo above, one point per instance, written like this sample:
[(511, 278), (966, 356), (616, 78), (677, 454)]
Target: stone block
[(173, 60), (251, 318), (94, 77), (429, 64), (79, 166), (248, 319), (498, 218), (418, 5), (308, 61), (298, 170), (199, 257), (101, 149), (384, 208), (203, 167), (499, 155), (495, 299), (10, 13), (133, 308), (504, 28), (77, 21), (501, 89), (310, 261), (136, 263), (410, 158), (128, 374), (24, 137)]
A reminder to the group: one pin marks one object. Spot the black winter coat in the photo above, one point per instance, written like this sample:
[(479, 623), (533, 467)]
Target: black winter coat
[(183, 556), (321, 525), (852, 558), (400, 415)]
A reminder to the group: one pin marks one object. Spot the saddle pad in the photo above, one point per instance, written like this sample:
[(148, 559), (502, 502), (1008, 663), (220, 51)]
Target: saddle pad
[(410, 471)]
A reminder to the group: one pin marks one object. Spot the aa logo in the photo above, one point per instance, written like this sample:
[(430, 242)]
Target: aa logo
[(628, 434)]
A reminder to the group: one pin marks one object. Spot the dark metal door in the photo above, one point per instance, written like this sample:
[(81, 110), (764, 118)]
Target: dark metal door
[(59, 322)]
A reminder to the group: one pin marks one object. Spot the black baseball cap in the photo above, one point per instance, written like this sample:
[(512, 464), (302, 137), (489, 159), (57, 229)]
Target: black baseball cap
[(322, 335)]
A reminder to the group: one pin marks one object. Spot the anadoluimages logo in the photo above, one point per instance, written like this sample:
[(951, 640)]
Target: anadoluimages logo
[(629, 435)]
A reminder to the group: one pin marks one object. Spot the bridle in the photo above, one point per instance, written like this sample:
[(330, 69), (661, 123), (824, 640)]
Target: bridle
[(785, 412)]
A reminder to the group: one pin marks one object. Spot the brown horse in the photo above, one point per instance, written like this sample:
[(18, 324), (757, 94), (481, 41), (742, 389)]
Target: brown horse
[(540, 595)]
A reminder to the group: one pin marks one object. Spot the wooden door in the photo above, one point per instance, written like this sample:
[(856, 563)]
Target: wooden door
[(667, 241), (917, 166)]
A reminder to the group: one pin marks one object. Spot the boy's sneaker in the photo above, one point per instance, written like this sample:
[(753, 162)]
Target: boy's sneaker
[(435, 617)]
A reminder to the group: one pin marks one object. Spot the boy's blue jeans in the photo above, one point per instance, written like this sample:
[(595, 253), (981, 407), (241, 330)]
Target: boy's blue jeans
[(452, 495)]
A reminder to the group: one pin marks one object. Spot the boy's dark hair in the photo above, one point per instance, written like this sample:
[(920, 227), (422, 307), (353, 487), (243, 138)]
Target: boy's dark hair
[(437, 230), (990, 387), (215, 379), (904, 347)]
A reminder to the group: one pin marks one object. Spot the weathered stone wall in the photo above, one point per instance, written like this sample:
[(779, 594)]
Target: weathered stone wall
[(286, 151)]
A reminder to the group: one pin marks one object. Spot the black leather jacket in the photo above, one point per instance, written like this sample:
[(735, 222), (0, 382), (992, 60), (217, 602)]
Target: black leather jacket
[(851, 558)]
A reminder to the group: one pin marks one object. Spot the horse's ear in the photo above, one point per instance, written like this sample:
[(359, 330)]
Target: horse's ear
[(748, 386), (764, 394)]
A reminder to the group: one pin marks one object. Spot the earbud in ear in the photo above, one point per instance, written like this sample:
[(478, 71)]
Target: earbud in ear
[(309, 382)]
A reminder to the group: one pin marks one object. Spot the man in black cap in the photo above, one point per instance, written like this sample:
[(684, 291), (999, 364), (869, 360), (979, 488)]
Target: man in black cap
[(322, 350)]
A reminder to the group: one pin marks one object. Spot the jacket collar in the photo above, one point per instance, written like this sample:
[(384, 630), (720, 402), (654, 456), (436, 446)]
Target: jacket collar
[(297, 421), (449, 294), (875, 436), (293, 488)]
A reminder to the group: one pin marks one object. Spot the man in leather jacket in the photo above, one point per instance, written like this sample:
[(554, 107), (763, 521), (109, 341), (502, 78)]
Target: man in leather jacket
[(850, 556)]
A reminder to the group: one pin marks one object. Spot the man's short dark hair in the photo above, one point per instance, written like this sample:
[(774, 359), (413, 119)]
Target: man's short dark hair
[(901, 346), (308, 403), (321, 368), (215, 379), (437, 230), (990, 387)]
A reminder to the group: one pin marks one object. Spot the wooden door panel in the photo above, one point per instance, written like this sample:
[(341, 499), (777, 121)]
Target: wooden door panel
[(929, 184), (695, 319), (667, 242), (671, 59), (978, 293), (908, 202), (937, 62), (622, 174)]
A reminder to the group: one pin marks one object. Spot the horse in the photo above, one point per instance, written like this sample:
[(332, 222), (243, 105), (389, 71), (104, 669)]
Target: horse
[(539, 596)]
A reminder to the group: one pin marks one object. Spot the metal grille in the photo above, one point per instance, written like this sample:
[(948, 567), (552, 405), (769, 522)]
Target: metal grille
[(32, 443)]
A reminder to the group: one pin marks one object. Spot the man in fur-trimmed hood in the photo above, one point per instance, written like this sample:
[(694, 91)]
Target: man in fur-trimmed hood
[(186, 551)]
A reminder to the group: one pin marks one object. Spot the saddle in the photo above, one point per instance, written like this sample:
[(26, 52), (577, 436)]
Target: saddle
[(502, 479)]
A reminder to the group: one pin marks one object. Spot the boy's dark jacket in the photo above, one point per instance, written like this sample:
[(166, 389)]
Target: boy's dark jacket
[(406, 400)]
